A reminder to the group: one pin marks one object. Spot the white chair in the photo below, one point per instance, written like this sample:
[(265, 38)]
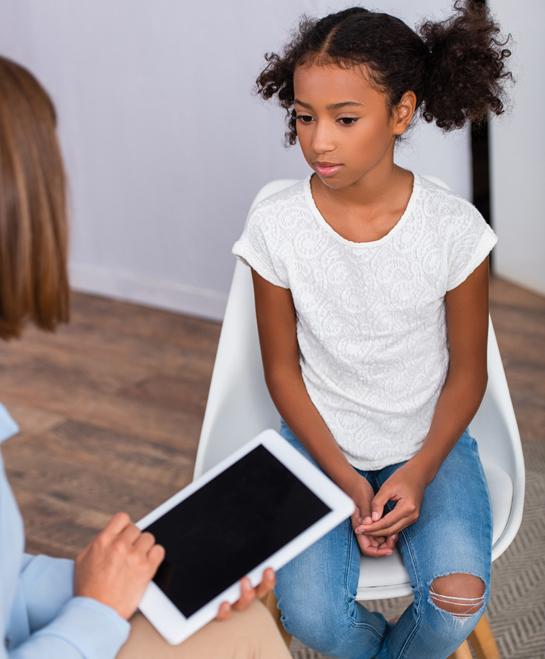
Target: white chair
[(239, 407)]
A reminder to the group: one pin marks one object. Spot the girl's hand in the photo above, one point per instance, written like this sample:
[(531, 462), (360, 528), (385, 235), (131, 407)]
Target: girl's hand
[(406, 487), (248, 594), (117, 565), (376, 546)]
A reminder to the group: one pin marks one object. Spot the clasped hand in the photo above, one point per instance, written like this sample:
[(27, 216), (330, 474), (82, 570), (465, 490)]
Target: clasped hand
[(116, 567), (377, 533)]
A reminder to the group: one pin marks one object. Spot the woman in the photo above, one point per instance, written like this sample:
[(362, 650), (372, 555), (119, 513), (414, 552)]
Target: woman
[(54, 607)]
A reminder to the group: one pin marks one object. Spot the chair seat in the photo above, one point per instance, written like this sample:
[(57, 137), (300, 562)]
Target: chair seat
[(383, 578)]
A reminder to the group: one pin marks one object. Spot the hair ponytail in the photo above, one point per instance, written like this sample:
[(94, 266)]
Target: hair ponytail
[(455, 68), (466, 69)]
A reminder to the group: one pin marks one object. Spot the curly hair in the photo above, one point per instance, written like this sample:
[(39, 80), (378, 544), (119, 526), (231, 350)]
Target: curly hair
[(454, 67)]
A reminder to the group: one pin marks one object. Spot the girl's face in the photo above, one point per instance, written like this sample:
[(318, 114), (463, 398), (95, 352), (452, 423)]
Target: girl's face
[(344, 126)]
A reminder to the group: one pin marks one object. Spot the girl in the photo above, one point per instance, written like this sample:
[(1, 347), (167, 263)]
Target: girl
[(371, 291), (52, 607)]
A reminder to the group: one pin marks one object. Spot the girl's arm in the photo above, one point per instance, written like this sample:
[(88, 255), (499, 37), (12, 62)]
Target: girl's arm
[(465, 384), (276, 325)]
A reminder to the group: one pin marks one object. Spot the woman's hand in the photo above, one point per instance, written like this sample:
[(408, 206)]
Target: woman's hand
[(248, 594), (406, 487), (370, 545), (117, 565)]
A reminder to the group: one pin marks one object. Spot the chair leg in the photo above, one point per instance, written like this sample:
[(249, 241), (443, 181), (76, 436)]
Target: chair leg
[(463, 652), (271, 603), (482, 640)]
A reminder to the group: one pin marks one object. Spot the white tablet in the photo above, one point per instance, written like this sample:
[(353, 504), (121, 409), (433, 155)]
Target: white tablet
[(259, 508)]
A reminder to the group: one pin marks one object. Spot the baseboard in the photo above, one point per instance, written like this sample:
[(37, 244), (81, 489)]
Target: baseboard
[(525, 282), (148, 291)]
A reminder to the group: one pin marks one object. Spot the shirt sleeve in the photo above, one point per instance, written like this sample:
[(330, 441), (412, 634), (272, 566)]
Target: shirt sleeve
[(47, 585), (471, 241), (260, 244), (83, 629), (63, 626)]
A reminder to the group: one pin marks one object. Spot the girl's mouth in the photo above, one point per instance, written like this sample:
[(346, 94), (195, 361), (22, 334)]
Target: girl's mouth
[(326, 169)]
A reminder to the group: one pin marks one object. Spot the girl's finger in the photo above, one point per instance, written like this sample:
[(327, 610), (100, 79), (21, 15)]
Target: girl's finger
[(247, 595), (376, 552), (224, 611), (392, 530), (267, 584), (391, 540), (402, 510)]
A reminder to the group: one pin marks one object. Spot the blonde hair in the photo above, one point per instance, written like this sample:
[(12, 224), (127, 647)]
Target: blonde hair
[(33, 218)]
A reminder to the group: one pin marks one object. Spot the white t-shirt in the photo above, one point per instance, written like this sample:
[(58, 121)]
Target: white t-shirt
[(370, 316)]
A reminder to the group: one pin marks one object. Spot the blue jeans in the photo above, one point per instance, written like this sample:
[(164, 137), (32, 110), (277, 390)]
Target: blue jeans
[(317, 590)]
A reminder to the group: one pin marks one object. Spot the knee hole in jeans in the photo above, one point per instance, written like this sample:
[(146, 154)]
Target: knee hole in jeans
[(461, 595)]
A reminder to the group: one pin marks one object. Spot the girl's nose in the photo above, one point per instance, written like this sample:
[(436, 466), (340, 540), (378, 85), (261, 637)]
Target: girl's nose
[(322, 138)]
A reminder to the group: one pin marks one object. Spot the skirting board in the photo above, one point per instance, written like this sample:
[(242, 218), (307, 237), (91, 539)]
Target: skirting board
[(147, 291), (515, 278)]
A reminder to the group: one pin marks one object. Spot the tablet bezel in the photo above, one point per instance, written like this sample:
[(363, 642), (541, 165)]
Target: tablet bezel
[(162, 612)]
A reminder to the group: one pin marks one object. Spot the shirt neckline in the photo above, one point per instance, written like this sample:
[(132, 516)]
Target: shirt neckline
[(372, 243)]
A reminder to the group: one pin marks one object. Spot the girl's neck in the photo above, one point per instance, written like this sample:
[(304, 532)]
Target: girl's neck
[(367, 210)]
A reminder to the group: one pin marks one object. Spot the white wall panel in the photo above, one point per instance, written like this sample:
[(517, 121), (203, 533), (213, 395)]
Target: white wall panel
[(518, 151)]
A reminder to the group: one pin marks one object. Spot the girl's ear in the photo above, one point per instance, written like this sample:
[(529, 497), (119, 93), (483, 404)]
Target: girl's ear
[(404, 112)]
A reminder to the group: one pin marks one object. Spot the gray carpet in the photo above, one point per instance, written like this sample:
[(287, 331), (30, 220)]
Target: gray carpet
[(517, 605)]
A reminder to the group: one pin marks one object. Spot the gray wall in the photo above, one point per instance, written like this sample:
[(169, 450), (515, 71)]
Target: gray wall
[(164, 143)]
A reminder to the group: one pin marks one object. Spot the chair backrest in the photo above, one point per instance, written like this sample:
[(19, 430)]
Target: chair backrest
[(239, 405)]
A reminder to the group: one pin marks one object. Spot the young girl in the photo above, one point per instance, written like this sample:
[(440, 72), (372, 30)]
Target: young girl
[(51, 607), (371, 290)]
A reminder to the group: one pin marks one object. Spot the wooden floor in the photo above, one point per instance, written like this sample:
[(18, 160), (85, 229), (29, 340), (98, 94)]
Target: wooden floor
[(110, 408)]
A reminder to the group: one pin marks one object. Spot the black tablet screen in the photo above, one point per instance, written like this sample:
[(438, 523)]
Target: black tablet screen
[(229, 526)]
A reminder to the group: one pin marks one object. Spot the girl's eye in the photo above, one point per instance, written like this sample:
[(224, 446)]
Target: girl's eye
[(304, 118), (347, 121)]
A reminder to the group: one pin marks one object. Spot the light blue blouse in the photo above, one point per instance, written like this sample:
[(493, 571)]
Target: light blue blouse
[(39, 616)]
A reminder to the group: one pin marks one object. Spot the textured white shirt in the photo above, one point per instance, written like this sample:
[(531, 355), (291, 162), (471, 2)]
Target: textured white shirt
[(370, 316)]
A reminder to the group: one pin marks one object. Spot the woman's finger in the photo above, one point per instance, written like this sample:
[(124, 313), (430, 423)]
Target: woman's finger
[(131, 534), (144, 542), (156, 555), (117, 524)]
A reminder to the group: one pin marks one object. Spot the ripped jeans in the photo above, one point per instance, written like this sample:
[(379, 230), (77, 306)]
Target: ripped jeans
[(316, 591)]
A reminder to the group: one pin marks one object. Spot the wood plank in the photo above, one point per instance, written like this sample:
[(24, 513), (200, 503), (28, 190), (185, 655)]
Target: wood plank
[(31, 420), (55, 527), (128, 319), (515, 296), (174, 428), (186, 395), (35, 470), (119, 454)]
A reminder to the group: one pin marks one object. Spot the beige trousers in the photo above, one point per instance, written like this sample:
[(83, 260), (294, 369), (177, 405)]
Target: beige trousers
[(251, 634)]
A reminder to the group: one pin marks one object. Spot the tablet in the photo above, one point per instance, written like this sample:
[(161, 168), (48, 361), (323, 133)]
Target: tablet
[(258, 508)]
